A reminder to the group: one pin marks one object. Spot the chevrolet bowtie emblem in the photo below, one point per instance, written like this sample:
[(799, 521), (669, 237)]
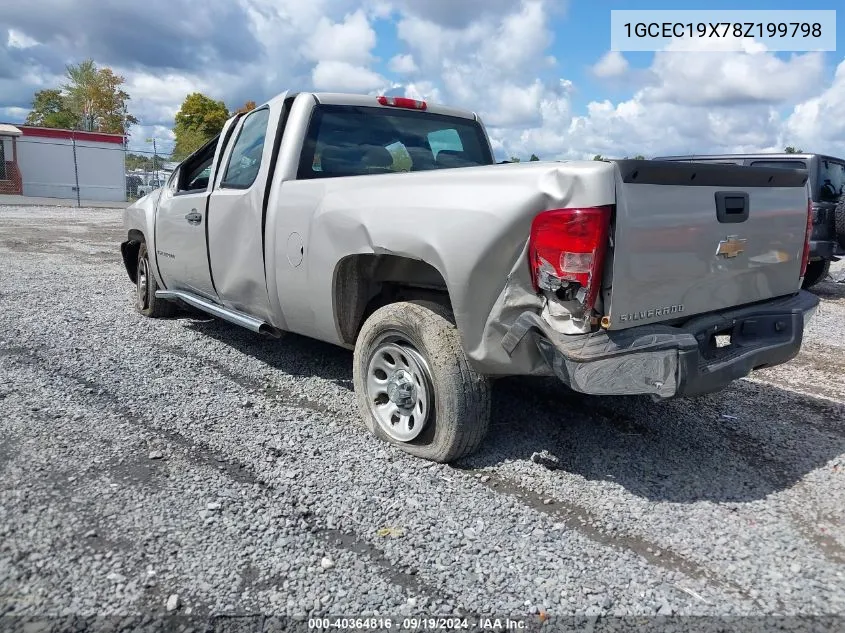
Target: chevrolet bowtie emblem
[(731, 247)]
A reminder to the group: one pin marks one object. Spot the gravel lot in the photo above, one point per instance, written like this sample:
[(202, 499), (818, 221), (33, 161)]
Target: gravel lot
[(146, 460)]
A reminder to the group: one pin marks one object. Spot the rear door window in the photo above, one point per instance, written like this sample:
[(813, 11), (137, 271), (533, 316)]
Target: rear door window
[(357, 141)]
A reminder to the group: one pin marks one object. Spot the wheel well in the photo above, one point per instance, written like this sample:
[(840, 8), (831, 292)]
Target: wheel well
[(129, 250), (364, 283)]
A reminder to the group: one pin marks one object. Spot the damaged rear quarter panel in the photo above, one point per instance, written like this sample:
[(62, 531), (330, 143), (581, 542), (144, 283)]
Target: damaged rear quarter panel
[(471, 224)]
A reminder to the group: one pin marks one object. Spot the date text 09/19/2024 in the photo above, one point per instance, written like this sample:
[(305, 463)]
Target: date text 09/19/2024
[(417, 624)]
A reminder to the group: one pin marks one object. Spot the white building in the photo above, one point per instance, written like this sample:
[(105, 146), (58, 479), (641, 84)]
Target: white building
[(45, 162)]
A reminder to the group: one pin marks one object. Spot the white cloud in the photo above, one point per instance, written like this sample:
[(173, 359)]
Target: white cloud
[(345, 77), (820, 120), (403, 65), (18, 39), (612, 64), (13, 114), (716, 78), (687, 103), (349, 41)]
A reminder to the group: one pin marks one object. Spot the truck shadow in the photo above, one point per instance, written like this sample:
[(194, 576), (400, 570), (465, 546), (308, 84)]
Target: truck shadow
[(830, 289), (740, 445), (293, 355)]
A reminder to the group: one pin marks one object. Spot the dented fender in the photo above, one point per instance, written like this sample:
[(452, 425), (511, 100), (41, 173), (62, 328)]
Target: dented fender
[(140, 217)]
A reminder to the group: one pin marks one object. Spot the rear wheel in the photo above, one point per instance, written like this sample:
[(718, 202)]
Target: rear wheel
[(146, 301), (816, 272), (414, 385)]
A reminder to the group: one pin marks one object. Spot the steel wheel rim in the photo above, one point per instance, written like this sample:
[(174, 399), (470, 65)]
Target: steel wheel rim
[(400, 393), (142, 284)]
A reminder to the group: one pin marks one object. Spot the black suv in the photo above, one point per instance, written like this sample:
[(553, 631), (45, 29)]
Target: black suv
[(827, 184)]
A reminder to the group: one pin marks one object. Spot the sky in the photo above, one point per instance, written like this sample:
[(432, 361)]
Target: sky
[(539, 72)]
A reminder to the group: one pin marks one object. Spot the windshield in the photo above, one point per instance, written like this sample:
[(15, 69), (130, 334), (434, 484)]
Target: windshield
[(831, 180)]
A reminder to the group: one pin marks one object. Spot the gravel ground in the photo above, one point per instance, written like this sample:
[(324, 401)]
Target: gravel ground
[(188, 466)]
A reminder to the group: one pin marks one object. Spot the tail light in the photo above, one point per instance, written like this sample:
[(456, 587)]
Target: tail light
[(805, 257), (567, 246), (402, 102)]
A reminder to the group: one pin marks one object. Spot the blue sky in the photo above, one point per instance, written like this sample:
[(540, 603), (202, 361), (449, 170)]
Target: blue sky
[(539, 71)]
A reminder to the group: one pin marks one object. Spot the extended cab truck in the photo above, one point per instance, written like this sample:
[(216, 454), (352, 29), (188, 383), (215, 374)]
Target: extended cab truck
[(826, 179), (626, 277)]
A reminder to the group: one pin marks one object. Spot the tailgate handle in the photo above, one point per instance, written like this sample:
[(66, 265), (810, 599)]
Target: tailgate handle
[(732, 206)]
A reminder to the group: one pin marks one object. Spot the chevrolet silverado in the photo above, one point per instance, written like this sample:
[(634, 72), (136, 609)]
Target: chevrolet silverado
[(384, 225)]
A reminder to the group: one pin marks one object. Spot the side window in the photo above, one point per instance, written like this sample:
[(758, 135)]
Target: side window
[(245, 160), (192, 175)]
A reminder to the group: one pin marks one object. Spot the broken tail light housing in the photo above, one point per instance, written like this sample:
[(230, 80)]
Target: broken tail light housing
[(402, 102), (567, 246), (805, 257)]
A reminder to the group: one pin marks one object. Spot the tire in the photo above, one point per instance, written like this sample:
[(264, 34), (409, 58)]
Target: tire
[(839, 221), (432, 404), (145, 289), (816, 272)]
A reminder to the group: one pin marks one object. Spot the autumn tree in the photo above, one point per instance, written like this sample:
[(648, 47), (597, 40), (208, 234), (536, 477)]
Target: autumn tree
[(198, 121), (50, 110), (91, 99), (249, 106)]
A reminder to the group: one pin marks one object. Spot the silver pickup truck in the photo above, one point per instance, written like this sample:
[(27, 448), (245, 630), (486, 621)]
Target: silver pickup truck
[(383, 224)]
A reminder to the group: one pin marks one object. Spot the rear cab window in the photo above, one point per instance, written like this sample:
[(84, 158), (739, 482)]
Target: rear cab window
[(360, 140), (780, 164)]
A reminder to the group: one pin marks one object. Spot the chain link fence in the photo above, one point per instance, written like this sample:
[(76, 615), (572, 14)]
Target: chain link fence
[(83, 167)]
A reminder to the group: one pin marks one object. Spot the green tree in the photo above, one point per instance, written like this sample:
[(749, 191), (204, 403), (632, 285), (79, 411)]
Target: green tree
[(96, 98), (50, 110), (791, 150), (144, 161), (112, 113), (514, 159), (639, 157), (599, 157), (199, 119), (534, 157)]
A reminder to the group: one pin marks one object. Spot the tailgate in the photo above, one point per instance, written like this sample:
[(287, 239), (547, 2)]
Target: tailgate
[(691, 238)]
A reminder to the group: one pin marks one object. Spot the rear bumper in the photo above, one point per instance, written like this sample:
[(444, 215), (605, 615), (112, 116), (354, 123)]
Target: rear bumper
[(668, 362)]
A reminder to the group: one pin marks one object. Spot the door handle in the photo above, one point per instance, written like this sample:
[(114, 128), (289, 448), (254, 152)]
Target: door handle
[(194, 217)]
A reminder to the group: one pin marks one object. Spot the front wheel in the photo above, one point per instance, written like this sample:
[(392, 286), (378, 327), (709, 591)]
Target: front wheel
[(414, 385), (816, 272), (146, 301)]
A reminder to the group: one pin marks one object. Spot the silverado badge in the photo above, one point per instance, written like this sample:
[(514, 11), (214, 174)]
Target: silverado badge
[(731, 247)]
